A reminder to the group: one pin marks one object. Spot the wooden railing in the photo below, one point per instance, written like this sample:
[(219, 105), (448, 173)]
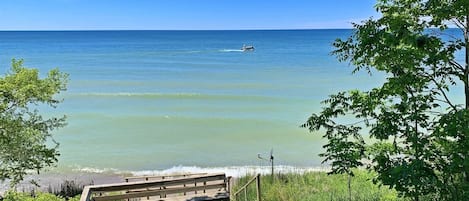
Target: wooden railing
[(207, 185), (160, 177), (244, 189)]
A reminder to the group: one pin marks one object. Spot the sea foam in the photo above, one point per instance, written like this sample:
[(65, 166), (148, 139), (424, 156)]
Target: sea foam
[(234, 171)]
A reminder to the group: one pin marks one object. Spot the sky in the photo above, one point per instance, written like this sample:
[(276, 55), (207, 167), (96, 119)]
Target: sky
[(182, 14)]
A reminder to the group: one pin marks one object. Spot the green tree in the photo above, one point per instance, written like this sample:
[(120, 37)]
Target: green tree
[(420, 134), (26, 143)]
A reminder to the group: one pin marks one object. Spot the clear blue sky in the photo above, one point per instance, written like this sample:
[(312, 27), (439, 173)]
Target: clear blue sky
[(181, 14)]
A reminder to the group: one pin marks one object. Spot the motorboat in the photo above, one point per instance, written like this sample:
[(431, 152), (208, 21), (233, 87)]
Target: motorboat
[(246, 48)]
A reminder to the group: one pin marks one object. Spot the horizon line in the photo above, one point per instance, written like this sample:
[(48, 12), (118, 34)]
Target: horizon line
[(286, 29)]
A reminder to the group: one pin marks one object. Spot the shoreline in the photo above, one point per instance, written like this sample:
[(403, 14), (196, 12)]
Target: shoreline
[(53, 180), (85, 176)]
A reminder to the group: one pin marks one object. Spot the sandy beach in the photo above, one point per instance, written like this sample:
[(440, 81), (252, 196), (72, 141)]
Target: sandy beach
[(54, 179)]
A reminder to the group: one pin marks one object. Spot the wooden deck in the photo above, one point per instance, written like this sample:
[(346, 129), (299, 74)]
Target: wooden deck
[(189, 188)]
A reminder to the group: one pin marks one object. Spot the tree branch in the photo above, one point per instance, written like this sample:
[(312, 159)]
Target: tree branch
[(443, 93), (443, 101), (440, 33), (361, 121), (459, 24), (456, 65)]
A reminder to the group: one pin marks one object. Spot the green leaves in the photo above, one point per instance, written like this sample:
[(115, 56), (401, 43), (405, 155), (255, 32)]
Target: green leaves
[(23, 131), (451, 141), (416, 148)]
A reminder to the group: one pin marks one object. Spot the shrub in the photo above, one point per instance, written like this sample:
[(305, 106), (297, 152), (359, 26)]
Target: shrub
[(68, 189)]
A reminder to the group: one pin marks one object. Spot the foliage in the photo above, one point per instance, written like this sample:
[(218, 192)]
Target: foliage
[(24, 132), (318, 186), (417, 146), (68, 189), (451, 138)]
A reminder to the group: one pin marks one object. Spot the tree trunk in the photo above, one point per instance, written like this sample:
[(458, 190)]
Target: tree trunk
[(466, 77), (466, 70)]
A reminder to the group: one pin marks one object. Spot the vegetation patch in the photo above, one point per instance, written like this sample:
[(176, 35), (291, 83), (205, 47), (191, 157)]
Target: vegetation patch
[(318, 186)]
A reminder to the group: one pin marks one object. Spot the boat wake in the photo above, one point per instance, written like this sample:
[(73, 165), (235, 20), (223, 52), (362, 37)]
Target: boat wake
[(231, 50)]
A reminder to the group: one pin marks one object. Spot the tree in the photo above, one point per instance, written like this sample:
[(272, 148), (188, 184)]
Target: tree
[(420, 134), (26, 142)]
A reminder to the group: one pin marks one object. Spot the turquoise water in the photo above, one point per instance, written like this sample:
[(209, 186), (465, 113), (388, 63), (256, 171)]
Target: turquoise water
[(153, 100)]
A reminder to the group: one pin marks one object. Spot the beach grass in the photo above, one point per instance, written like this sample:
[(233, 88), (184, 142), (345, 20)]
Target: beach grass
[(317, 186), (39, 196)]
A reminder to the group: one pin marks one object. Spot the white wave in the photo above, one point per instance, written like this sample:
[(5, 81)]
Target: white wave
[(97, 170), (234, 171)]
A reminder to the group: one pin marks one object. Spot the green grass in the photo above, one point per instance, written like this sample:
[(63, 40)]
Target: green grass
[(312, 186), (318, 186), (18, 196)]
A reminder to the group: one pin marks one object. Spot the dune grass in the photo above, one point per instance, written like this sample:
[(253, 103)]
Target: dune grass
[(21, 196), (318, 186)]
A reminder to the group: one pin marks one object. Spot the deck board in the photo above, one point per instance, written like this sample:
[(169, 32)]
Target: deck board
[(214, 187)]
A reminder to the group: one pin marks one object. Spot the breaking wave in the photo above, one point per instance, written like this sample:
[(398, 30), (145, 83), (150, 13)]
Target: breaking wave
[(234, 171)]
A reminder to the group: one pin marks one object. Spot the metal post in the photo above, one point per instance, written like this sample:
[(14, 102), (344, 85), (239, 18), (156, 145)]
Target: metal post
[(272, 163), (258, 183)]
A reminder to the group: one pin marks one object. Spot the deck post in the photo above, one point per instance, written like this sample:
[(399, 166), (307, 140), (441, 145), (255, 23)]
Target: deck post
[(258, 183)]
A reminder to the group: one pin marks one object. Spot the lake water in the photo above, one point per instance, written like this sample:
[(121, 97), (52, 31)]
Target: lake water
[(159, 100)]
